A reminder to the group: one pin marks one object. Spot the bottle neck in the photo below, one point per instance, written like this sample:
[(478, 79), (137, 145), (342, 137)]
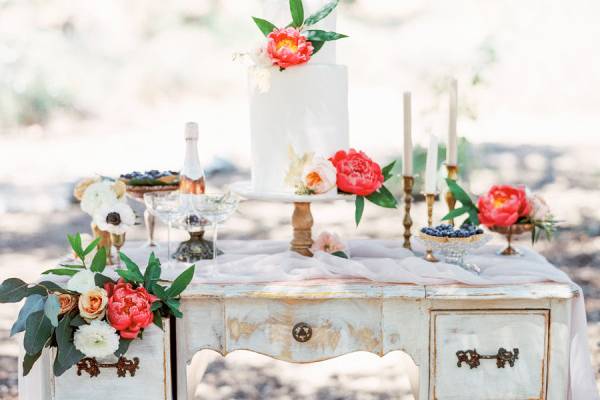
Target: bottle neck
[(192, 168)]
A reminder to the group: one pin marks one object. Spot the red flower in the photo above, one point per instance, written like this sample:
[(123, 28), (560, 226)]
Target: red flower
[(288, 47), (357, 173), (128, 308), (503, 206)]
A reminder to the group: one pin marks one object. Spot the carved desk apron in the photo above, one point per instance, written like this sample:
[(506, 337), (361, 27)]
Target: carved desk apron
[(484, 343)]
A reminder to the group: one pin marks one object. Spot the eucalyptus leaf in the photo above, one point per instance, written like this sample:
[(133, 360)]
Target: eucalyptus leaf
[(77, 320), (13, 290), (67, 354), (34, 303), (322, 13), (61, 272), (297, 11), (28, 362), (52, 308), (359, 208), (265, 26), (181, 282), (99, 260), (324, 36), (38, 330)]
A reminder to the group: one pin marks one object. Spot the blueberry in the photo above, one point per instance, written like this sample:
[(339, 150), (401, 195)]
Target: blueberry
[(479, 231)]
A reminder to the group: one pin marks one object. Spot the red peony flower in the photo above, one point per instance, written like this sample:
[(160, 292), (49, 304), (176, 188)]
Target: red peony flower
[(128, 308), (357, 173), (503, 206), (288, 47)]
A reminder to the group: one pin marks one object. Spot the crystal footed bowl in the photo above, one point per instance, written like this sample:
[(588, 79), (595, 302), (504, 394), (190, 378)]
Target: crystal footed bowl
[(454, 249)]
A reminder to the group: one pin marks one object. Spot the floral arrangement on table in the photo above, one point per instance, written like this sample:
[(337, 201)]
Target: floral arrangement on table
[(330, 243), (505, 206), (346, 172), (104, 200), (93, 315), (291, 45)]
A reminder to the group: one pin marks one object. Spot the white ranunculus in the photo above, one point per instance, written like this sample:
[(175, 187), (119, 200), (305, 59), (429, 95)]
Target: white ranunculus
[(98, 339), (97, 195), (82, 281), (116, 217), (319, 175), (261, 70)]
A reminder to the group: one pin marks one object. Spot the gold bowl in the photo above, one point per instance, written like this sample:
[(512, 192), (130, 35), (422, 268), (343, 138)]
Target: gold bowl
[(510, 232)]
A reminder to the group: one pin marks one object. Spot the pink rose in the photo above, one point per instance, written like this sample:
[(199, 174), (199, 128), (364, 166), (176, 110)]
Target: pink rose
[(357, 173), (328, 242), (288, 47), (128, 308), (503, 206)]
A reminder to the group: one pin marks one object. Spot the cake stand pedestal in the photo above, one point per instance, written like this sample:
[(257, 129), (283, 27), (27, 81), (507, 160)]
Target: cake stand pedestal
[(302, 219)]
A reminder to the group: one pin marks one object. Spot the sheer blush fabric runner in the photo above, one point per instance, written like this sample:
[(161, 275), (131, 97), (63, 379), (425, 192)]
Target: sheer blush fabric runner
[(388, 261)]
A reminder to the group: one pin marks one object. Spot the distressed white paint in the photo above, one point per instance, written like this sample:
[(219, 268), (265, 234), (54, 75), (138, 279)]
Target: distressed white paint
[(487, 332), (152, 381)]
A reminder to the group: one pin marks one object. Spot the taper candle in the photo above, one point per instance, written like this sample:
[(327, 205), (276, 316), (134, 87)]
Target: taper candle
[(431, 166), (407, 161), (452, 149)]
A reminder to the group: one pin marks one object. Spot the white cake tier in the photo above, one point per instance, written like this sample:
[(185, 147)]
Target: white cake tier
[(278, 12), (306, 108)]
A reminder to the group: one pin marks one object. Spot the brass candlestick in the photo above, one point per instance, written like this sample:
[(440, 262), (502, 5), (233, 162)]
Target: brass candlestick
[(430, 199), (302, 222), (450, 200), (409, 182)]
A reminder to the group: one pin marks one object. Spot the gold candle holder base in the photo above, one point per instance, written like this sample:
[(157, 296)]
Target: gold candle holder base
[(450, 200), (430, 200), (302, 223), (409, 182)]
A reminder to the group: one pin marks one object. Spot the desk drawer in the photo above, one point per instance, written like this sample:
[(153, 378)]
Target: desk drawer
[(502, 355), (303, 330)]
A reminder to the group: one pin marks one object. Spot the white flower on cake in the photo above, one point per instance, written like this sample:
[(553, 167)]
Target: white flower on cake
[(82, 281), (115, 218), (319, 176), (98, 339), (296, 167), (96, 195)]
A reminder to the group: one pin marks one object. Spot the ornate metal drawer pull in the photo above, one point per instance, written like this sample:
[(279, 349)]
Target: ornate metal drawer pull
[(472, 357), (123, 365), (302, 332)]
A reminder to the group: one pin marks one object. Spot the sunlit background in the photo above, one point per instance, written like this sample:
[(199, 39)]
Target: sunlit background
[(105, 87)]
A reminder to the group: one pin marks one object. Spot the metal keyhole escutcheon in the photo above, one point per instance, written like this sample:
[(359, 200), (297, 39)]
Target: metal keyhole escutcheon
[(302, 332)]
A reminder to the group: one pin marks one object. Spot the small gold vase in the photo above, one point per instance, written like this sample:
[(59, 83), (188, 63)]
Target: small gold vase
[(510, 232), (118, 240), (105, 241)]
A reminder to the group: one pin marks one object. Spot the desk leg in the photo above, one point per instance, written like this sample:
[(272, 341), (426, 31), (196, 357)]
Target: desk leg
[(559, 349), (181, 364)]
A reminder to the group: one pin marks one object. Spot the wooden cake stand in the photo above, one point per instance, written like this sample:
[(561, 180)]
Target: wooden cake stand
[(302, 219)]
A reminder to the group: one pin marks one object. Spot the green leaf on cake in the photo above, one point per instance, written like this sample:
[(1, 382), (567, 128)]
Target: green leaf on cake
[(383, 198), (457, 212), (152, 273), (297, 11), (91, 246), (13, 290), (99, 261), (324, 36), (317, 45), (322, 13), (67, 354), (181, 282), (458, 192), (100, 280), (123, 347), (359, 208), (38, 330), (28, 362), (33, 304), (265, 26), (340, 254), (75, 242), (157, 320), (52, 308), (133, 273), (61, 271)]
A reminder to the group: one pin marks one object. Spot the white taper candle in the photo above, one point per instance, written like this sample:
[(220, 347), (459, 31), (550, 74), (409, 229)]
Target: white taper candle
[(407, 161), (452, 149), (431, 166)]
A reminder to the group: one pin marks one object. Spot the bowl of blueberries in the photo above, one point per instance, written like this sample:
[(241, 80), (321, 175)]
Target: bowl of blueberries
[(454, 243)]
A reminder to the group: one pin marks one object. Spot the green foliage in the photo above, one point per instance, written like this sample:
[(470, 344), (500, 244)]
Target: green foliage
[(51, 309), (297, 11), (180, 283), (123, 347), (265, 26), (359, 208), (38, 330), (67, 355), (99, 261), (387, 171), (468, 206), (322, 13), (28, 362), (323, 36), (33, 304), (340, 254)]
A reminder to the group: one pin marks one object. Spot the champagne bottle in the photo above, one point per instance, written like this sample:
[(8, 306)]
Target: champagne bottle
[(191, 177)]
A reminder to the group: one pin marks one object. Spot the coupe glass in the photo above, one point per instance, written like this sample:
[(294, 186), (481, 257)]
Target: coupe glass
[(215, 209), (167, 207)]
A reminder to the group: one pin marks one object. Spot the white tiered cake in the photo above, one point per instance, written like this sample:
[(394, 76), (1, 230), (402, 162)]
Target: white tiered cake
[(305, 108)]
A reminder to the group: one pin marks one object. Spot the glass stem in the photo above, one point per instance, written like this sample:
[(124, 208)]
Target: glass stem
[(215, 226)]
